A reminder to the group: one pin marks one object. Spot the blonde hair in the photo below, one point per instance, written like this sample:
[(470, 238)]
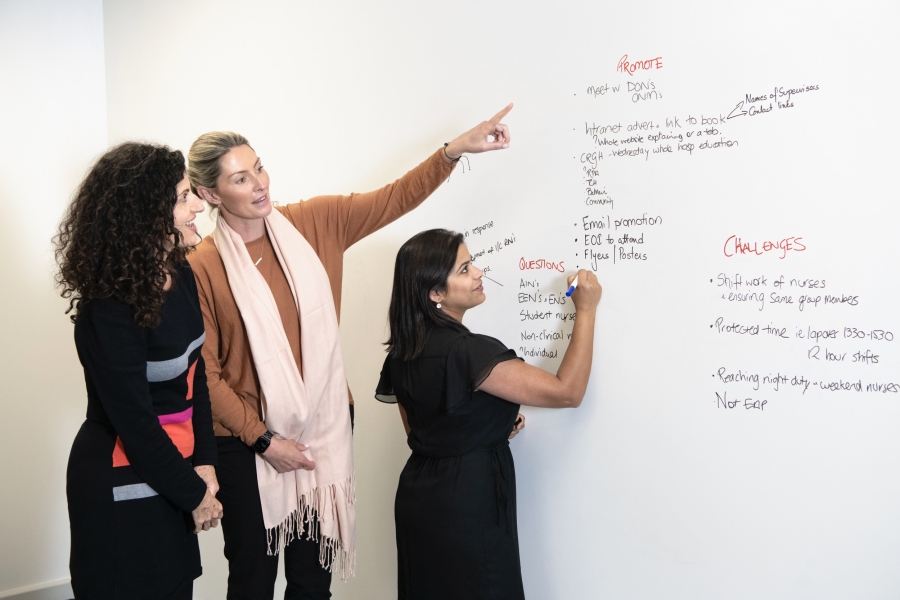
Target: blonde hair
[(205, 156)]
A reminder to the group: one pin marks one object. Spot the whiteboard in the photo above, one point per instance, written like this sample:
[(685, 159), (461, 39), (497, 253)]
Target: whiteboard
[(729, 172)]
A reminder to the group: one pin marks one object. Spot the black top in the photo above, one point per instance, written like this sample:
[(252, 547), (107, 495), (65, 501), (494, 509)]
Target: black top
[(142, 381), (447, 417)]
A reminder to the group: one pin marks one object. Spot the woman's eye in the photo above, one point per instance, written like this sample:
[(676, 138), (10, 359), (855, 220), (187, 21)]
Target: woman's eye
[(240, 181)]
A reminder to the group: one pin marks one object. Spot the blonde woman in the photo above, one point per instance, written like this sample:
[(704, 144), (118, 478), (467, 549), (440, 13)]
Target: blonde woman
[(270, 288)]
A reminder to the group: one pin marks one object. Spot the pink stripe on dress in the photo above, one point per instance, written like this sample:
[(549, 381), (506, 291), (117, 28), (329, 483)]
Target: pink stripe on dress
[(180, 417)]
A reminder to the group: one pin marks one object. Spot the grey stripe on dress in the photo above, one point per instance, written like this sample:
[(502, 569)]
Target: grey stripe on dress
[(165, 370), (133, 492)]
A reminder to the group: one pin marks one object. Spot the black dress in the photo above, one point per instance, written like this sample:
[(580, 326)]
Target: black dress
[(131, 483), (455, 509)]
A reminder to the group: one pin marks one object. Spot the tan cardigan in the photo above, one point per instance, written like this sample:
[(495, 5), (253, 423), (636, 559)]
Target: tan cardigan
[(330, 224)]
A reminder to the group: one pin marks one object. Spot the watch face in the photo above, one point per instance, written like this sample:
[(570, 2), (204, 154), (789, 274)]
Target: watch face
[(262, 444)]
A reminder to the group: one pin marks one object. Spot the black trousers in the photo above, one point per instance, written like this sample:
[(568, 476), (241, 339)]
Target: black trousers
[(251, 571)]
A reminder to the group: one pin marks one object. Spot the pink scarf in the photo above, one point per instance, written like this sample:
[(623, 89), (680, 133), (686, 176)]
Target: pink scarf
[(312, 409)]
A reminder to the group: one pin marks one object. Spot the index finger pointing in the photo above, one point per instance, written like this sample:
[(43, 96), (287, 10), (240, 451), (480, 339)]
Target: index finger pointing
[(496, 118)]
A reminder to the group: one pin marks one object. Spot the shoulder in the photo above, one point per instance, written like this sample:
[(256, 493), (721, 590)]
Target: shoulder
[(185, 287), (186, 275), (441, 340), (309, 215), (446, 340), (100, 308), (106, 318), (488, 341), (205, 258)]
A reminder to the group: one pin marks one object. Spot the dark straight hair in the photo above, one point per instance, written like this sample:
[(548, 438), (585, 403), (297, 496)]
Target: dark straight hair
[(423, 264)]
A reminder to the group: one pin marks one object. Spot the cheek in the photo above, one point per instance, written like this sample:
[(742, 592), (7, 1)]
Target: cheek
[(231, 198)]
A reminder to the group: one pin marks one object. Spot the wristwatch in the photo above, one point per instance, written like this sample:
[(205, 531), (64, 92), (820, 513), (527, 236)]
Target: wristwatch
[(262, 444)]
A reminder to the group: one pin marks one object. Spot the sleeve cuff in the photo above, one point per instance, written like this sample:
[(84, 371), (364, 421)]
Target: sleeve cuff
[(252, 433)]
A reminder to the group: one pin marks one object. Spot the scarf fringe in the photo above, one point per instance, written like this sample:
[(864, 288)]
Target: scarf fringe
[(333, 556)]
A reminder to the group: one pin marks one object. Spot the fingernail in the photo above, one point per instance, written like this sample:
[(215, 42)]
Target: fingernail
[(506, 145)]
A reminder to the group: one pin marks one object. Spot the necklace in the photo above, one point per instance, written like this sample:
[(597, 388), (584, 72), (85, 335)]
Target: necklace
[(261, 251)]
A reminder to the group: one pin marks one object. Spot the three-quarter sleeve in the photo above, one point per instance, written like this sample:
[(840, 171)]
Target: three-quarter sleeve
[(113, 350), (470, 361)]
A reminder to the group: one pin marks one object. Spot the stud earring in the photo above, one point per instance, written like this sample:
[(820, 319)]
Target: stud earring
[(438, 305)]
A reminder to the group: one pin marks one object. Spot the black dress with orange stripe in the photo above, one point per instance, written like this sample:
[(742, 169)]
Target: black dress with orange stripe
[(131, 483)]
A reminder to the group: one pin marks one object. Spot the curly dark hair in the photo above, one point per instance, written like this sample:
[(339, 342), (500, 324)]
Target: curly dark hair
[(115, 239)]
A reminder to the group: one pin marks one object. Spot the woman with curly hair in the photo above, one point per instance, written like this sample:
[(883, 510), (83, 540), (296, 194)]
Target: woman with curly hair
[(141, 477)]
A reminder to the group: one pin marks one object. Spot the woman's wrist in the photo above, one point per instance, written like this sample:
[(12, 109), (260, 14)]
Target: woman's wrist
[(451, 153)]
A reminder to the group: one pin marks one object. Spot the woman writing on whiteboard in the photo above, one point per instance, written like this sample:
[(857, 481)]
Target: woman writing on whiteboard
[(270, 288), (459, 393)]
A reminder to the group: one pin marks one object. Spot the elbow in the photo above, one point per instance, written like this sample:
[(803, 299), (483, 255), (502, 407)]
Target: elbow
[(572, 400)]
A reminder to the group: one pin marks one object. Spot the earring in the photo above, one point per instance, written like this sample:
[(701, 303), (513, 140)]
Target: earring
[(438, 305)]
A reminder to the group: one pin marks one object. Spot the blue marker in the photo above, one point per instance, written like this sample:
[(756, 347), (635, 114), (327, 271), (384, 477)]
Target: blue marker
[(573, 286)]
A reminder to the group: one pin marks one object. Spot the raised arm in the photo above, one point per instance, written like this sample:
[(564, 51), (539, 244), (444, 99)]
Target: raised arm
[(519, 382), (348, 219)]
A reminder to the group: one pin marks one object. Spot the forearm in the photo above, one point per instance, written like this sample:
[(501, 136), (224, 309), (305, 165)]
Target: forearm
[(368, 212), (234, 414), (155, 459), (575, 369), (205, 452)]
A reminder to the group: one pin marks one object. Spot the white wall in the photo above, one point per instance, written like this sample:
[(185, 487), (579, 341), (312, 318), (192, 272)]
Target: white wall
[(53, 123), (344, 96)]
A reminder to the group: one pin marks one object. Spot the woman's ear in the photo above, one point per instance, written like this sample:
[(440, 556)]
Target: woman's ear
[(435, 296), (207, 195)]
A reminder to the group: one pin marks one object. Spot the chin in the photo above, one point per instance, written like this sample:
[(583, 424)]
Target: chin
[(193, 242), (266, 210)]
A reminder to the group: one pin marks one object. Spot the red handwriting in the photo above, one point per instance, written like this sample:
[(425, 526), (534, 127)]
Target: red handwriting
[(528, 265), (735, 245), (642, 65)]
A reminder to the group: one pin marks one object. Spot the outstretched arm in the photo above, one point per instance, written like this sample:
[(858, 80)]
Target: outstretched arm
[(348, 219), (519, 382)]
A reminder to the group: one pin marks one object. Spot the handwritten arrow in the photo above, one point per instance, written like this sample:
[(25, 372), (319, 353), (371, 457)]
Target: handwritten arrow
[(731, 115)]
